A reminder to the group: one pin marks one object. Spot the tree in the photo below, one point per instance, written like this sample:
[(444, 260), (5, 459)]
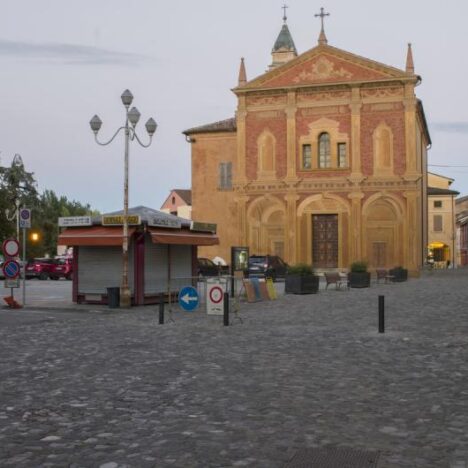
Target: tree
[(17, 184)]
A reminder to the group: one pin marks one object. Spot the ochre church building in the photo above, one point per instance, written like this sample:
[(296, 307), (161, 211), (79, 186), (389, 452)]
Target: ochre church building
[(325, 162)]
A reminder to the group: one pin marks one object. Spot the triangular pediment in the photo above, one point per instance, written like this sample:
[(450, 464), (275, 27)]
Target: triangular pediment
[(325, 64)]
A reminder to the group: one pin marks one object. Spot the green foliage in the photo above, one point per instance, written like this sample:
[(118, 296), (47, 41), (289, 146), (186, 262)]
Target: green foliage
[(300, 269), (359, 267), (18, 184)]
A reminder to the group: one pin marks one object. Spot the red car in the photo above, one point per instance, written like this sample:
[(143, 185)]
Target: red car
[(62, 268), (39, 268)]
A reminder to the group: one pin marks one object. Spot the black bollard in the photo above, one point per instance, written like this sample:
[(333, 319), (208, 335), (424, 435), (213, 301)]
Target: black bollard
[(381, 314), (161, 309), (226, 309)]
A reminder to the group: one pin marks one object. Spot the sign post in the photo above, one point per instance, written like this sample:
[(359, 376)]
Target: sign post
[(188, 298), (25, 223)]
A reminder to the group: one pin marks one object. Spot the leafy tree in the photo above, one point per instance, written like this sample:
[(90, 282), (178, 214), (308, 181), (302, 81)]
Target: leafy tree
[(19, 185)]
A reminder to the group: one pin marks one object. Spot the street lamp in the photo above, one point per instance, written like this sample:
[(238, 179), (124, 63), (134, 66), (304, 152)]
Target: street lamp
[(132, 117)]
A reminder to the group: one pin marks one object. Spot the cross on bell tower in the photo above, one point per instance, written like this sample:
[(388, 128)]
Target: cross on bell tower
[(284, 7), (322, 37)]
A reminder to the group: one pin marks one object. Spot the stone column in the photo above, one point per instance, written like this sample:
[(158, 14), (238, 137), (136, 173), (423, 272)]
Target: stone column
[(355, 243), (291, 136), (290, 228)]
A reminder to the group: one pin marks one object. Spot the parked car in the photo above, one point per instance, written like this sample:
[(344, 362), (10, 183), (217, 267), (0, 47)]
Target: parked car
[(269, 266), (207, 267), (39, 268), (62, 268)]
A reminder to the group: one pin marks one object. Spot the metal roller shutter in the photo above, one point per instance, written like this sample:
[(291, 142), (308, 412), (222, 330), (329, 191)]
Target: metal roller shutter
[(101, 267), (156, 267)]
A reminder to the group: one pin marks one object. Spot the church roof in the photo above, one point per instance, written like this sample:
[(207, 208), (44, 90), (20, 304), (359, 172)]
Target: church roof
[(284, 40), (441, 191), (228, 125), (325, 64)]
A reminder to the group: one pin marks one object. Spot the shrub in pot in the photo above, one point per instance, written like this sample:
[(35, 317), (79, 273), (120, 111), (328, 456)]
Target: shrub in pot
[(399, 274), (359, 277), (300, 279)]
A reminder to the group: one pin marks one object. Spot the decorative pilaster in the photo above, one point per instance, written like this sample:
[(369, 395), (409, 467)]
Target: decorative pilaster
[(412, 244), (355, 106), (410, 133), (241, 176), (291, 136), (290, 228), (355, 226), (242, 219)]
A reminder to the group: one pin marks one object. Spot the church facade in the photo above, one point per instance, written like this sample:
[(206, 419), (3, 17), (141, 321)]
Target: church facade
[(325, 162)]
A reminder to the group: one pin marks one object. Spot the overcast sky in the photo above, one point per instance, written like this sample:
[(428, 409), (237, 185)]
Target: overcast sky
[(63, 61)]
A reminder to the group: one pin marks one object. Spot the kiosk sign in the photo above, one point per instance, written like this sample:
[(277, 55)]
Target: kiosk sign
[(75, 221)]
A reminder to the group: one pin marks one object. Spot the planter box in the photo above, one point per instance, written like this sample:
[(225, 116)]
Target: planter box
[(359, 280), (297, 284), (399, 274)]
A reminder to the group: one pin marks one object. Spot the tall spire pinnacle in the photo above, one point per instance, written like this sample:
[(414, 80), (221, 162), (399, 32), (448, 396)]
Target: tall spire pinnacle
[(322, 38), (409, 60), (242, 73), (284, 49)]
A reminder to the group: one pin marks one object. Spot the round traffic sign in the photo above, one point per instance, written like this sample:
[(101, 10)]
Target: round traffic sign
[(188, 298), (10, 247), (216, 294), (25, 214), (11, 269)]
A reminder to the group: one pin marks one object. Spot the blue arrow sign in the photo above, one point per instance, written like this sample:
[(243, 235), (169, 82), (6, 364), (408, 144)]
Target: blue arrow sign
[(188, 298), (11, 269)]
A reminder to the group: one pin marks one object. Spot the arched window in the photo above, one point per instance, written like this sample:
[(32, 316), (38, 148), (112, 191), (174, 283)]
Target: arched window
[(383, 148), (324, 156), (266, 154)]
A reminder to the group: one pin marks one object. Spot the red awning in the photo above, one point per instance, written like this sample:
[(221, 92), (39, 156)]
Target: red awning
[(96, 235), (182, 237)]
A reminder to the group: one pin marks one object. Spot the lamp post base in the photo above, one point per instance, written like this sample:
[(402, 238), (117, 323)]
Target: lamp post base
[(125, 298)]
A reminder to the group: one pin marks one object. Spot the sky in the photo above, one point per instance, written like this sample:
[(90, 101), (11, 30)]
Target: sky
[(62, 62)]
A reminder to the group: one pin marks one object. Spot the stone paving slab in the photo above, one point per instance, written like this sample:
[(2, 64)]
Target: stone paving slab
[(118, 390)]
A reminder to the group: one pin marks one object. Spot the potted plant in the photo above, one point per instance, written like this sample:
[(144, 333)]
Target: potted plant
[(301, 279), (399, 274), (359, 277)]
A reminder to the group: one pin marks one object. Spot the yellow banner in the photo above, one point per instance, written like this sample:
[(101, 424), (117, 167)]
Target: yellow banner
[(118, 220)]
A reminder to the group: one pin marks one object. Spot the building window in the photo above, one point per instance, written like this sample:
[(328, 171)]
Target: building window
[(438, 224), (324, 157), (438, 204), (173, 200), (306, 156), (225, 175), (342, 155)]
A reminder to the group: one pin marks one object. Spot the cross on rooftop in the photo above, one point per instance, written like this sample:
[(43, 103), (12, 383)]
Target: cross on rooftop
[(321, 15), (284, 7)]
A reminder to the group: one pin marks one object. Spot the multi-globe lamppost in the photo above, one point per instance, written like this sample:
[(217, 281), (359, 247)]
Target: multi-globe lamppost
[(132, 117)]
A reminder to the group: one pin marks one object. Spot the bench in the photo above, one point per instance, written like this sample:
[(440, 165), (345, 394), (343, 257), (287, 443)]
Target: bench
[(383, 274), (337, 279)]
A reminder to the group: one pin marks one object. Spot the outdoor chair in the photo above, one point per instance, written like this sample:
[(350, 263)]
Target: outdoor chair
[(383, 274), (336, 279)]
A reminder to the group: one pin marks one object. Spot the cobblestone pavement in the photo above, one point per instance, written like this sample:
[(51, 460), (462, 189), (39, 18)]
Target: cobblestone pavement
[(115, 389)]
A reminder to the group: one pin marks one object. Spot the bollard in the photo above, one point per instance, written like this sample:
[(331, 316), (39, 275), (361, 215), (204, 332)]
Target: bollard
[(226, 309), (161, 309), (381, 314)]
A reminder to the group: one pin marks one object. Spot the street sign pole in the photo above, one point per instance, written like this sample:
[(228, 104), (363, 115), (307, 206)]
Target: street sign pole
[(25, 222), (24, 266)]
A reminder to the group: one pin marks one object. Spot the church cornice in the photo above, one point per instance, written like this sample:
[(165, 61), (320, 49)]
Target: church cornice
[(328, 86)]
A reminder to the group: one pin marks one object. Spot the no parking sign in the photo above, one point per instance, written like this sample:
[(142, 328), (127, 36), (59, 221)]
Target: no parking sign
[(215, 290)]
